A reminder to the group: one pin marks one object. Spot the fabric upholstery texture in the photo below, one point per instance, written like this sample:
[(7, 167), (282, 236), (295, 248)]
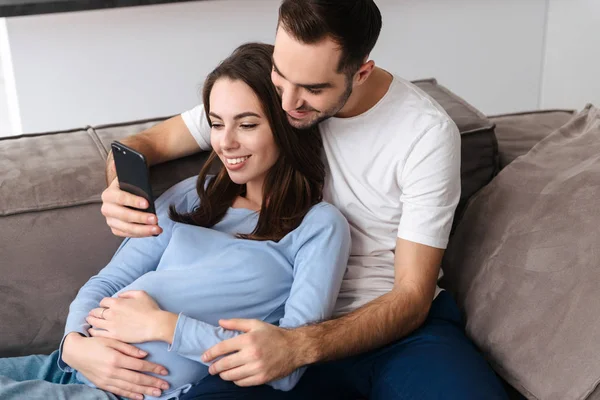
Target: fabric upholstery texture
[(50, 171), (524, 265), (517, 133)]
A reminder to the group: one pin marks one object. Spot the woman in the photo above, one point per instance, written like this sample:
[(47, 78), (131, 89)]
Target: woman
[(254, 241)]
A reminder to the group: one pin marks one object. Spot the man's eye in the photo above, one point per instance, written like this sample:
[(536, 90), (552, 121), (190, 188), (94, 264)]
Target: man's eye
[(314, 91)]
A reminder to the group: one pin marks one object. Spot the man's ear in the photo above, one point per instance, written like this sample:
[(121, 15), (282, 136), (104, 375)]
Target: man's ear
[(364, 72)]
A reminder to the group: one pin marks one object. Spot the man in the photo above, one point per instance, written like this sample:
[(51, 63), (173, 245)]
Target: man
[(393, 161)]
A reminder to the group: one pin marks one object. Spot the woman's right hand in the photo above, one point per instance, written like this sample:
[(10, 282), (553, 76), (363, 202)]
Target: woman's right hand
[(113, 366), (124, 221)]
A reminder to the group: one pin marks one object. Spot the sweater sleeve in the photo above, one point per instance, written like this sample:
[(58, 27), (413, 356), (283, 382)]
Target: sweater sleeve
[(319, 266), (134, 258)]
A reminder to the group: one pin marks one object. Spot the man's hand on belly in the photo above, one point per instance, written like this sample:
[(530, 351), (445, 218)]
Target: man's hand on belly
[(262, 354), (113, 366)]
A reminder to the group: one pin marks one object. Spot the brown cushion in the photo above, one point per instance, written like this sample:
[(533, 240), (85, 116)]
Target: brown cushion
[(524, 264), (517, 133), (479, 149)]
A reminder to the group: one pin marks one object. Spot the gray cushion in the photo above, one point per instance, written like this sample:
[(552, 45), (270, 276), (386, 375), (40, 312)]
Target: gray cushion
[(517, 133), (524, 265), (50, 171)]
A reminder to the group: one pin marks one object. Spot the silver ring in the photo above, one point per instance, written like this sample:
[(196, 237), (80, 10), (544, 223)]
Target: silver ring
[(102, 313)]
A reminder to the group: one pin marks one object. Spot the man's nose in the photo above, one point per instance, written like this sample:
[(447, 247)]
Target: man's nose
[(290, 100)]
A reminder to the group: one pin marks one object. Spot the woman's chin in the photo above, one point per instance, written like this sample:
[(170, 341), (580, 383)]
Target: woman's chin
[(236, 178)]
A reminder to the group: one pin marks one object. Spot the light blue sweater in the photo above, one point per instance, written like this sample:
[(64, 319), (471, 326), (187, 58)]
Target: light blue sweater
[(208, 274)]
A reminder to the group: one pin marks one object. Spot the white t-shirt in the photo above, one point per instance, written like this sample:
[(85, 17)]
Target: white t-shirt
[(393, 171)]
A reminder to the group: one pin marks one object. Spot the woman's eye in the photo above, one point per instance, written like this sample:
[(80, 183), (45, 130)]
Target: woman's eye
[(217, 126), (249, 126)]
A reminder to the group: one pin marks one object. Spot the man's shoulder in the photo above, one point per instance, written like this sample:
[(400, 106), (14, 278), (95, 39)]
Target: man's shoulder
[(414, 104), (405, 114)]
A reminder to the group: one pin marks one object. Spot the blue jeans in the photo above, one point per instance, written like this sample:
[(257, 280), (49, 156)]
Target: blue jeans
[(437, 361), (38, 377)]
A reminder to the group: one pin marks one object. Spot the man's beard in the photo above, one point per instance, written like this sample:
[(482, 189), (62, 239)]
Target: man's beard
[(321, 116)]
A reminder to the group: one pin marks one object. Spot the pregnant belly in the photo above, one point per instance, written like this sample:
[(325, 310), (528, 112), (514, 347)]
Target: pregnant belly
[(182, 372)]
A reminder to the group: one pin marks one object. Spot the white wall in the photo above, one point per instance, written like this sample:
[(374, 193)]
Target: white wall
[(116, 65), (572, 59), (487, 51), (106, 66), (5, 125), (4, 121)]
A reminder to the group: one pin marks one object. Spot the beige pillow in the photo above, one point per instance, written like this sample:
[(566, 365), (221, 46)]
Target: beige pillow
[(524, 264)]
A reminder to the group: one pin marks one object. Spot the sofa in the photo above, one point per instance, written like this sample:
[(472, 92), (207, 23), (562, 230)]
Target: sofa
[(53, 237)]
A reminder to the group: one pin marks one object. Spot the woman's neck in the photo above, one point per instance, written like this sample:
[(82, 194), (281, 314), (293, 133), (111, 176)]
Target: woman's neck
[(253, 198)]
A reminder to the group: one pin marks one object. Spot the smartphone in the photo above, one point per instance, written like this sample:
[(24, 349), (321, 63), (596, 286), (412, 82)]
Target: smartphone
[(133, 174)]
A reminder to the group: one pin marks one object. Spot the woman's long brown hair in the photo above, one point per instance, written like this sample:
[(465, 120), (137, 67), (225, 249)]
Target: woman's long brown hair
[(292, 186)]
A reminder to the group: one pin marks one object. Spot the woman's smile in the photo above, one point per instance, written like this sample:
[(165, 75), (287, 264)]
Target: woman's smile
[(235, 164)]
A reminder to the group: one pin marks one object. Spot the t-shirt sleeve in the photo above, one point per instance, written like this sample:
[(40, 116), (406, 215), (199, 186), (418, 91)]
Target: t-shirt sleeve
[(430, 183), (196, 122)]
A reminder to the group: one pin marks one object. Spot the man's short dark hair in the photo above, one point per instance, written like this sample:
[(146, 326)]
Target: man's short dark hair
[(353, 24)]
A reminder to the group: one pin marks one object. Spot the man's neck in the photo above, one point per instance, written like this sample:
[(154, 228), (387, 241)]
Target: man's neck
[(367, 95)]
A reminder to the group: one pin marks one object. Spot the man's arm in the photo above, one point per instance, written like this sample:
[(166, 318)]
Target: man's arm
[(385, 319), (376, 324), (166, 141), (430, 181)]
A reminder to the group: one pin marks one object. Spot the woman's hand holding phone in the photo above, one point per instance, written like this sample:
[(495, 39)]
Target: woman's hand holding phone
[(125, 221)]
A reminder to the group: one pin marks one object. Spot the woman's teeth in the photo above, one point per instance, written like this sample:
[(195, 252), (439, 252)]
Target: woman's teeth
[(233, 161)]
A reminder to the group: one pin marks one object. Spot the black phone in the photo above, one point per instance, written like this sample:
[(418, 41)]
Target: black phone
[(133, 174)]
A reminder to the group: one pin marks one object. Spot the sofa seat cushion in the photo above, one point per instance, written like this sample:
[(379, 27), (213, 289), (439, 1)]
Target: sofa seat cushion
[(524, 265)]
